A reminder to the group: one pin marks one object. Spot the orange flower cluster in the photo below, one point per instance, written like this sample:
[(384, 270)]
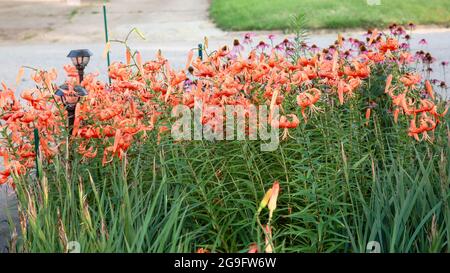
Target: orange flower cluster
[(422, 110), (18, 121), (298, 78)]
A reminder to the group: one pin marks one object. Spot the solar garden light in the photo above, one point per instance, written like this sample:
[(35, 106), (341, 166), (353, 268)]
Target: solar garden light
[(70, 101), (80, 58)]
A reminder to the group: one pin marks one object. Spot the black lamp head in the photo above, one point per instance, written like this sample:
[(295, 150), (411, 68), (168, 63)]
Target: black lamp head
[(80, 90), (80, 57), (60, 91), (68, 101)]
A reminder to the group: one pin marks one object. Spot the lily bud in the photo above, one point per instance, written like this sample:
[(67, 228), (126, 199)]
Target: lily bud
[(273, 198), (265, 200)]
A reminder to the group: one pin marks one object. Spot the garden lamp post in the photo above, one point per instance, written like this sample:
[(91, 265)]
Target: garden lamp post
[(70, 101), (80, 58)]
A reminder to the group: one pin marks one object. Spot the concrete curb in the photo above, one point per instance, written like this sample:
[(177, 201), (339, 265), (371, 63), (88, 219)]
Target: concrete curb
[(8, 212)]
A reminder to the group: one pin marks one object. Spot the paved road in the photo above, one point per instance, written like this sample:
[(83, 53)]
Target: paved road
[(174, 26), (53, 55), (41, 35)]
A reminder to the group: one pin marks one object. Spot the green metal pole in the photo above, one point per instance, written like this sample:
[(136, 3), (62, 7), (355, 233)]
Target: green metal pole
[(106, 38), (200, 51), (36, 150)]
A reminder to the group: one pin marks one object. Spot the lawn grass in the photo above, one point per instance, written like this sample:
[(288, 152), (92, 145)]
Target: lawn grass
[(326, 14)]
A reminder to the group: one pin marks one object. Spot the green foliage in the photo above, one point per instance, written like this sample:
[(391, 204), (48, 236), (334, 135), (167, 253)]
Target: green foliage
[(332, 14), (343, 183)]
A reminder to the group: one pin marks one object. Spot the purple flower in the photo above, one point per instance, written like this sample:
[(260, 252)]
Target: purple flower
[(233, 54), (427, 58), (346, 54), (423, 42), (271, 37), (188, 85), (248, 38), (286, 43), (404, 46), (419, 55), (304, 45), (398, 31), (289, 52), (314, 48), (435, 81), (262, 46), (445, 63), (331, 50), (279, 47), (355, 42), (237, 49)]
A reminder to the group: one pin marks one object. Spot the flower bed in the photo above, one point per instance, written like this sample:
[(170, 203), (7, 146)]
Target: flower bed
[(369, 86), (142, 94)]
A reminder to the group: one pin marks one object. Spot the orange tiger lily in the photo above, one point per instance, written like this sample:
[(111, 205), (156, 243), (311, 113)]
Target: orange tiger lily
[(87, 153), (390, 44), (410, 79), (285, 123), (307, 99)]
